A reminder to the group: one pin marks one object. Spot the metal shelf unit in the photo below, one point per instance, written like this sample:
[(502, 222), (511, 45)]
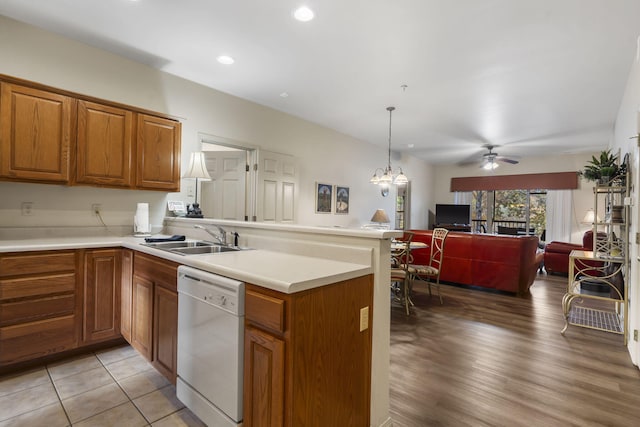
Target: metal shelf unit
[(601, 274)]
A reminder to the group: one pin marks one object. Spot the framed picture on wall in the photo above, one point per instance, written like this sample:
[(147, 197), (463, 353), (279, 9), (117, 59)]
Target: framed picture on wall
[(324, 197), (342, 200)]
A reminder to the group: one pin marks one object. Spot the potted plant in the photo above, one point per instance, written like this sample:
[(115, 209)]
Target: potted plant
[(602, 168)]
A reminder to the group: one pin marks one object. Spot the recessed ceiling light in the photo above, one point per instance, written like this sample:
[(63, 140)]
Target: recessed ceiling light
[(410, 145), (284, 95), (226, 60), (303, 14)]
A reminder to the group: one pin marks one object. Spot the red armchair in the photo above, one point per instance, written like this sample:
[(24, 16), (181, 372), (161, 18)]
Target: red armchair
[(556, 254)]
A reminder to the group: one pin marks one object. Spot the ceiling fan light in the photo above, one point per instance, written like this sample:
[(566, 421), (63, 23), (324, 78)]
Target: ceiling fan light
[(490, 166)]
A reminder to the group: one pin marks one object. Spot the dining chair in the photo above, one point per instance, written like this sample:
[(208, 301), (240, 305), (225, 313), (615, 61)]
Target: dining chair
[(400, 277), (430, 272)]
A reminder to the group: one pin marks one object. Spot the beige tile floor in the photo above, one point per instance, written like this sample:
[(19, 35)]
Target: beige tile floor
[(111, 387)]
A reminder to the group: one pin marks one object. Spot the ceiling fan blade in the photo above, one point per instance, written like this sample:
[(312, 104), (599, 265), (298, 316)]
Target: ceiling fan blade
[(507, 160)]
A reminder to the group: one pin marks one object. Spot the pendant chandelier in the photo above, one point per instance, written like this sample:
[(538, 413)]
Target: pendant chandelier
[(385, 177)]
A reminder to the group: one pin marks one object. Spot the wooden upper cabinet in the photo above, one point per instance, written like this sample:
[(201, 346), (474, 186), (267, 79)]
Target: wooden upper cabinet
[(50, 135), (36, 129), (104, 152), (158, 149)]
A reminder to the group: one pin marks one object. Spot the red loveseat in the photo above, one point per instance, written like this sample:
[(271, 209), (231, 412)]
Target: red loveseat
[(505, 263), (556, 254)]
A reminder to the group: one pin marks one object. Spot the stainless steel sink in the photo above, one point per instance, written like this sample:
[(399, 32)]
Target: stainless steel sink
[(177, 245), (204, 250), (192, 247)]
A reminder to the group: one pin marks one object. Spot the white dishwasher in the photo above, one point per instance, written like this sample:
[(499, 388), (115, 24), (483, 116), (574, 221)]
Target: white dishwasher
[(210, 346)]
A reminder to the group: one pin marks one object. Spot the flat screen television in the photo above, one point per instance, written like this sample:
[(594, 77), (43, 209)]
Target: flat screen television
[(453, 214)]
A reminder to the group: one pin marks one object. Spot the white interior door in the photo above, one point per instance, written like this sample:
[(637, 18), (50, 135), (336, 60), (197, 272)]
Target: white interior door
[(277, 187), (224, 197)]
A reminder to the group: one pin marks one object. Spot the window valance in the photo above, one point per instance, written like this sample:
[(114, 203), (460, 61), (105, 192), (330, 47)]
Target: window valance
[(533, 181)]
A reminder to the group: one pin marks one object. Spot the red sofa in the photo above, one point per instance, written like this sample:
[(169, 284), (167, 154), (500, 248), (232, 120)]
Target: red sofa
[(556, 254), (505, 263)]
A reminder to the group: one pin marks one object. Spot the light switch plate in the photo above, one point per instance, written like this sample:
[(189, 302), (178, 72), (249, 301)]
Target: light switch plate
[(364, 318)]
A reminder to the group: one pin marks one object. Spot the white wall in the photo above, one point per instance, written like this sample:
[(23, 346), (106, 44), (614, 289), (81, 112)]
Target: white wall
[(325, 155), (628, 125), (582, 197)]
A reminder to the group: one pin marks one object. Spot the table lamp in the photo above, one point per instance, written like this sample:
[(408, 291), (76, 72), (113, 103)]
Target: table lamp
[(197, 170), (381, 219)]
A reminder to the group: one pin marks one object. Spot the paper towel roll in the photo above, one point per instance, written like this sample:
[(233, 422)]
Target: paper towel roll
[(141, 219)]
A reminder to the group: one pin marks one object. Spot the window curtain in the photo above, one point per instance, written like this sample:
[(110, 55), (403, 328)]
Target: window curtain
[(559, 215), (462, 197)]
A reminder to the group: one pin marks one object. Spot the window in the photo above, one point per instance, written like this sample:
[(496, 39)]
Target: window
[(509, 211)]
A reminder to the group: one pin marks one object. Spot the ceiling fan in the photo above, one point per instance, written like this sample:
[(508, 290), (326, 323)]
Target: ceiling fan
[(490, 159)]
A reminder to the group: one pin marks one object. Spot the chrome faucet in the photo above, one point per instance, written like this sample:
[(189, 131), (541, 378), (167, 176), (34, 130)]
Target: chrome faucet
[(221, 238)]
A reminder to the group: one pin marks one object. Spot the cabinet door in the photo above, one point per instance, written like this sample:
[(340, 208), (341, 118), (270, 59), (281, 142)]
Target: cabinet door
[(101, 295), (104, 145), (126, 295), (165, 332), (263, 379), (35, 134), (141, 320), (158, 152)]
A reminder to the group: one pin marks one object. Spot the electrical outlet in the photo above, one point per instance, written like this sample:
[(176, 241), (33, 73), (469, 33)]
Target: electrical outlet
[(190, 190), (27, 208), (364, 318), (96, 209), (635, 335)]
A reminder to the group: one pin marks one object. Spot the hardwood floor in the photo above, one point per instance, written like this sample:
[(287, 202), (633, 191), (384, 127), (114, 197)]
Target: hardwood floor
[(487, 359)]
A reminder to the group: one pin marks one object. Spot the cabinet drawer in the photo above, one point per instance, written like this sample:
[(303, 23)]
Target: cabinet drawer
[(30, 310), (37, 339), (265, 310), (36, 263), (157, 270), (29, 286)]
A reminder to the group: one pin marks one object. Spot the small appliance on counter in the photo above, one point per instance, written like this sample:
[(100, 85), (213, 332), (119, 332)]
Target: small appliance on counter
[(141, 226)]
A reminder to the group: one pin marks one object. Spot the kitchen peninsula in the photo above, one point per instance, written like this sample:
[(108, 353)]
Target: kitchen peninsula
[(286, 261)]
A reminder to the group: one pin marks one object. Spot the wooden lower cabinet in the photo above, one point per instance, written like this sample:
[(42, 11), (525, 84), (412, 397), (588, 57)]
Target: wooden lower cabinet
[(126, 294), (264, 379), (103, 273), (40, 304), (54, 301), (154, 326), (142, 318), (165, 332), (307, 362)]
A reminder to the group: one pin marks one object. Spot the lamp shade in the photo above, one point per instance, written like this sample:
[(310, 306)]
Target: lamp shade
[(590, 217), (197, 167), (380, 216)]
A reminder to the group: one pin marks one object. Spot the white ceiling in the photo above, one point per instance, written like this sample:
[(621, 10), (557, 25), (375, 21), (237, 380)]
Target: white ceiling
[(529, 76)]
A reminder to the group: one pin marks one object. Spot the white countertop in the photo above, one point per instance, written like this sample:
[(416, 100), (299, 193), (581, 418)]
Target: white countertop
[(283, 272)]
